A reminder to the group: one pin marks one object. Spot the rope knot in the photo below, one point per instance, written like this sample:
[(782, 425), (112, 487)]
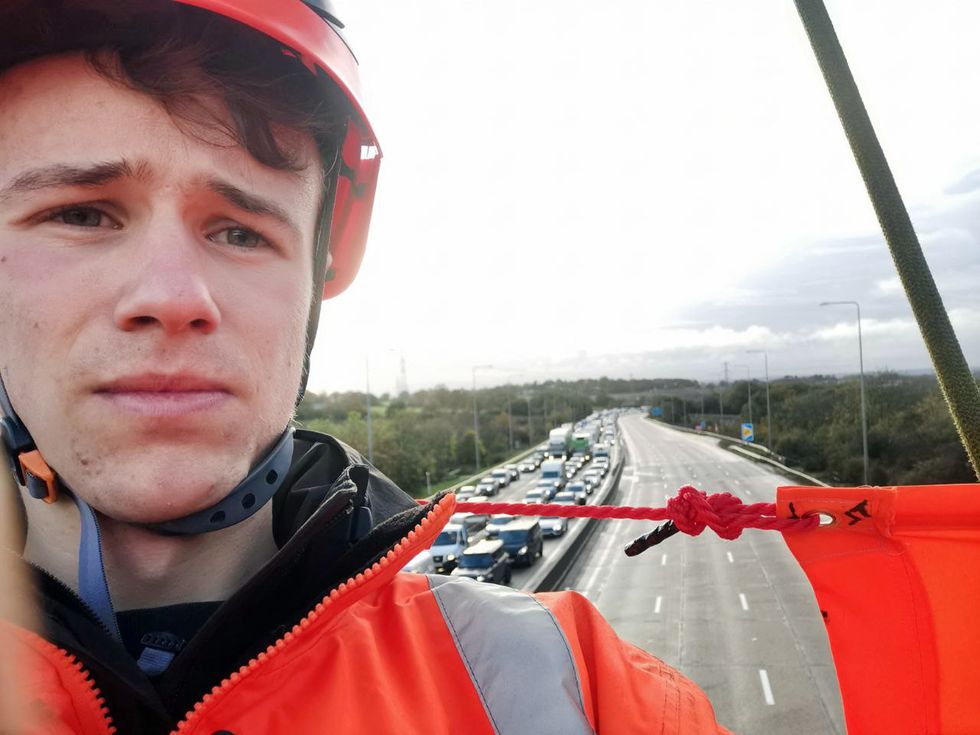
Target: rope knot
[(693, 510)]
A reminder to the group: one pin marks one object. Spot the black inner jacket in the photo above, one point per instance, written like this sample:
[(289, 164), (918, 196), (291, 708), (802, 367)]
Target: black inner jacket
[(313, 515)]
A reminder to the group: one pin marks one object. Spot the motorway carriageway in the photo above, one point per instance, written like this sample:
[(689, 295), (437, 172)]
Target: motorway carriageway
[(514, 493), (738, 617)]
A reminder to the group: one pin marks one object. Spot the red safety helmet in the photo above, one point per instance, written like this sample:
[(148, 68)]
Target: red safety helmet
[(311, 30)]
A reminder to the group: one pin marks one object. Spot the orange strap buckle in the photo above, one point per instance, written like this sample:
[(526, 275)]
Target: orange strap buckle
[(32, 464)]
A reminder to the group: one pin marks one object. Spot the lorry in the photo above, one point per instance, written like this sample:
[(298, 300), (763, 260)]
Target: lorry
[(582, 441), (559, 441)]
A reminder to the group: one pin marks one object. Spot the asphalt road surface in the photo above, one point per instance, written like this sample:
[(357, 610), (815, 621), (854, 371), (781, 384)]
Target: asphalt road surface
[(738, 617)]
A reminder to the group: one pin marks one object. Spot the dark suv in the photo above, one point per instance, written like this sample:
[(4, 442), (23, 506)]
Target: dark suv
[(522, 540), (486, 561)]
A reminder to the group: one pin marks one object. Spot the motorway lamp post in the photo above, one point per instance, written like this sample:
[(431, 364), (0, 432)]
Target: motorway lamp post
[(769, 439), (510, 426), (530, 439), (367, 385), (721, 403), (476, 418), (748, 383), (864, 414)]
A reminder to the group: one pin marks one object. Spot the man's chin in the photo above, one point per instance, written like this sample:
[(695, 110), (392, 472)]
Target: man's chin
[(149, 495), (146, 510), (154, 479)]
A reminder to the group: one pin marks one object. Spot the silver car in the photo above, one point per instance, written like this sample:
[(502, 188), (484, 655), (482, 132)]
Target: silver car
[(421, 563), (553, 526)]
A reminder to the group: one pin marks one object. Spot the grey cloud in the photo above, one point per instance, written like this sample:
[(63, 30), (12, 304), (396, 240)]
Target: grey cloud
[(965, 184), (785, 295)]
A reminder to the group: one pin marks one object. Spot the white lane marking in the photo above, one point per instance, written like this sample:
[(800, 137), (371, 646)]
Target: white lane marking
[(745, 602), (612, 544), (656, 605), (731, 559), (766, 689), (747, 492), (589, 588), (663, 560)]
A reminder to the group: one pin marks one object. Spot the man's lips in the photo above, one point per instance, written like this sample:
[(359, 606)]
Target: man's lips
[(164, 395)]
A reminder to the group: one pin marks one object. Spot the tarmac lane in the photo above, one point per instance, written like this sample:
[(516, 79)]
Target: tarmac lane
[(738, 617)]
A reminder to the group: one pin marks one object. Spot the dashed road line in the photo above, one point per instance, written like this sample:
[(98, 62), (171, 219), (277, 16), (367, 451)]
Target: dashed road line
[(602, 559), (731, 559), (766, 689), (656, 605), (611, 545), (663, 560), (742, 599)]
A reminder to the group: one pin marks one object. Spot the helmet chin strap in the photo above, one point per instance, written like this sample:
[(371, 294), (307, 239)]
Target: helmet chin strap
[(30, 470), (243, 501)]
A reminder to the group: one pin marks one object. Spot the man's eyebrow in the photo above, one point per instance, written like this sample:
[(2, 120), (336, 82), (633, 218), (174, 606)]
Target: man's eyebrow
[(251, 203), (64, 175)]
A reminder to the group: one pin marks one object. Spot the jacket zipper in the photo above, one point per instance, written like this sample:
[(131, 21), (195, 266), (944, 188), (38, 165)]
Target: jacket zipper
[(352, 584), (77, 675), (89, 612)]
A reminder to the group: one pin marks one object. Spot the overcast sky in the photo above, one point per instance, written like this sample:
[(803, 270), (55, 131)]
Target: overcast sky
[(649, 188)]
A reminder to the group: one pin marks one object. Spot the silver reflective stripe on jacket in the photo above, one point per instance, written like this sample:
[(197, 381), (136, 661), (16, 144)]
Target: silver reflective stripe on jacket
[(517, 655)]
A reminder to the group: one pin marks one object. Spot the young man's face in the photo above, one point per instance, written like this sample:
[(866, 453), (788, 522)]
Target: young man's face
[(155, 282)]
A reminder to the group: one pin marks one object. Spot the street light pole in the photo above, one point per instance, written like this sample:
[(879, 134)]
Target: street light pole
[(769, 438), (476, 420), (864, 414), (367, 385), (510, 426), (530, 439), (748, 383)]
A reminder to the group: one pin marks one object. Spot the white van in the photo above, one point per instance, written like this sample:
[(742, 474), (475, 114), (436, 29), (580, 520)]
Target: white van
[(554, 470)]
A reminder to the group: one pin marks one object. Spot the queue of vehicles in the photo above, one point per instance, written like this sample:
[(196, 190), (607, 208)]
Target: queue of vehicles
[(573, 464)]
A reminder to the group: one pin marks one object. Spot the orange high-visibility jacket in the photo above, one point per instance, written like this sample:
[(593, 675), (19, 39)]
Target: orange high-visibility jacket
[(392, 652)]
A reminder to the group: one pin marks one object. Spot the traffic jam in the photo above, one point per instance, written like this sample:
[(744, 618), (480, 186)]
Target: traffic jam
[(568, 469)]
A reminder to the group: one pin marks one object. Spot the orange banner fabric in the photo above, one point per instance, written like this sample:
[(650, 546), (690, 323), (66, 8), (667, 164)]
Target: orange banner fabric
[(896, 572)]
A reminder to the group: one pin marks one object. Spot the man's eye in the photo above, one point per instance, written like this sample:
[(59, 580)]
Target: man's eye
[(240, 237), (82, 217)]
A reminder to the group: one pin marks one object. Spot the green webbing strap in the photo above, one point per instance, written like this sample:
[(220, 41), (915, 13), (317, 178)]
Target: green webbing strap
[(958, 385)]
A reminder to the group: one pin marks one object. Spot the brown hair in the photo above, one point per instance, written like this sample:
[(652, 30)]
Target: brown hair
[(184, 57)]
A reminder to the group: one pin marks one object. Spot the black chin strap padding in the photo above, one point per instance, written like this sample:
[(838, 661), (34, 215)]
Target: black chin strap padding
[(251, 494)]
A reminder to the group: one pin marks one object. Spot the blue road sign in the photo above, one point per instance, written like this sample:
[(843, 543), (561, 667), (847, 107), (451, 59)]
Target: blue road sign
[(748, 433), (656, 411)]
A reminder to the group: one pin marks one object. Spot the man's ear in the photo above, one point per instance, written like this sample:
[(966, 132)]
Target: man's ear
[(328, 275)]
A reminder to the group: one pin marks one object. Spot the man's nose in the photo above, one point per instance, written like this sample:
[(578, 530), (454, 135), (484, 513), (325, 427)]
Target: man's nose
[(169, 288)]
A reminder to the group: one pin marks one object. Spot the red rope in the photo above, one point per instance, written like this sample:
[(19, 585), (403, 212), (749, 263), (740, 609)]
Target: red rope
[(691, 510)]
